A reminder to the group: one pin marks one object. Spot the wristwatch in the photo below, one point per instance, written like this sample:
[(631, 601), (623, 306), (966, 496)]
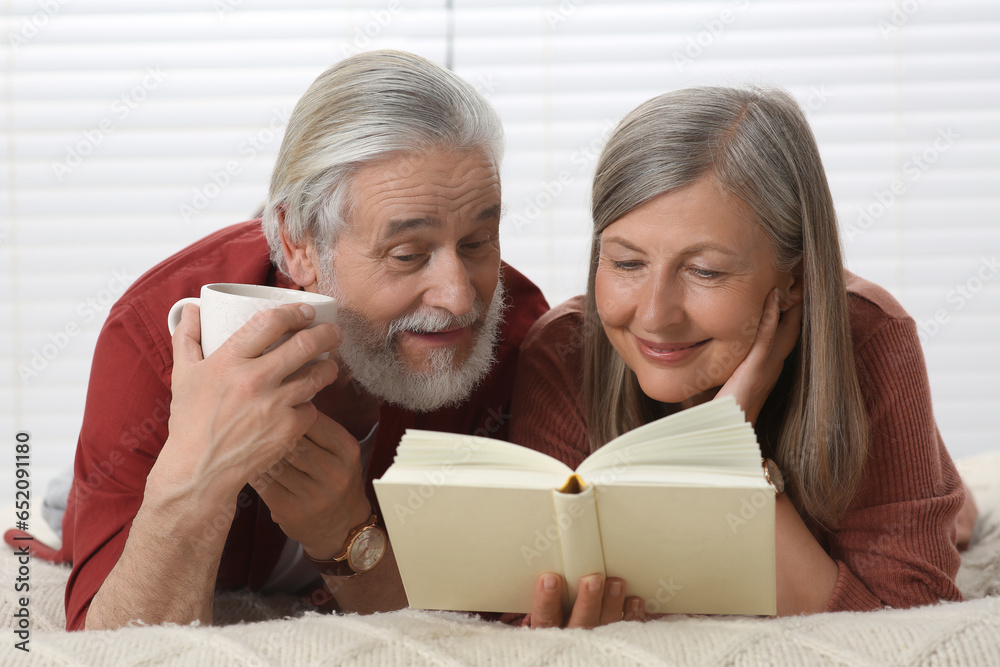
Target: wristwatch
[(362, 551), (772, 473)]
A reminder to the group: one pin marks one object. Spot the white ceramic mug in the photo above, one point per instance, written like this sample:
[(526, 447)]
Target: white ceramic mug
[(225, 307)]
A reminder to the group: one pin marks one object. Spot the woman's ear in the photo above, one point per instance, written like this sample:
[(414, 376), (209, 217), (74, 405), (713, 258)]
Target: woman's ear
[(792, 291), (300, 256)]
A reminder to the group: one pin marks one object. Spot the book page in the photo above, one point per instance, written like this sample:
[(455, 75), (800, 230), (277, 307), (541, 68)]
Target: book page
[(718, 416), (711, 415), (712, 438), (429, 449), (472, 520), (732, 449), (470, 549), (689, 549)]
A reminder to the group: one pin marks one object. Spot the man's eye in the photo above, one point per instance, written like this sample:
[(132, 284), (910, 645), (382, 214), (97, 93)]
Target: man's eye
[(404, 259), (479, 242), (705, 273)]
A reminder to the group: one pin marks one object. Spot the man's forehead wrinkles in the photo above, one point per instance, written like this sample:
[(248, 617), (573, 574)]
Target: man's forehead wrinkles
[(397, 197), (397, 226), (421, 198)]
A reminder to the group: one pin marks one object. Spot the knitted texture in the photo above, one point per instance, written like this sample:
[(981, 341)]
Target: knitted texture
[(966, 633)]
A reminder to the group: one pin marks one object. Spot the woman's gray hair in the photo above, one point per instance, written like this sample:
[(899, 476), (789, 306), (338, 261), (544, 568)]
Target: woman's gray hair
[(361, 110), (756, 144)]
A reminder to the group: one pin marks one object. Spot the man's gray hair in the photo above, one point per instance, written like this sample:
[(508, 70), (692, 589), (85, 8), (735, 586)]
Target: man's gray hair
[(363, 109)]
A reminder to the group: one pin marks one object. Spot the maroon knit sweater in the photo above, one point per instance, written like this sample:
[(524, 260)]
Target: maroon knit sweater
[(895, 545)]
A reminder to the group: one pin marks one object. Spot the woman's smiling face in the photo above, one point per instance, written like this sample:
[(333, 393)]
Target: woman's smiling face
[(680, 287)]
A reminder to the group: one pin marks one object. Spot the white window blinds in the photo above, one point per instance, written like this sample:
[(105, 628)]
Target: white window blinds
[(132, 129)]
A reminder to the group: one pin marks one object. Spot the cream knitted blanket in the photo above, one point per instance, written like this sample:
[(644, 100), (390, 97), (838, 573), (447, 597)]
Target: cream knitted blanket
[(966, 633)]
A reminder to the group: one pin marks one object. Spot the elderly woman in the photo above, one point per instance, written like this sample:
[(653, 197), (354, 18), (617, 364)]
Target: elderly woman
[(716, 269)]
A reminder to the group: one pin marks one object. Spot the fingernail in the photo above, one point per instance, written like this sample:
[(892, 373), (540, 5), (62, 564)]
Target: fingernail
[(307, 311), (549, 582), (594, 583), (635, 606), (615, 588)]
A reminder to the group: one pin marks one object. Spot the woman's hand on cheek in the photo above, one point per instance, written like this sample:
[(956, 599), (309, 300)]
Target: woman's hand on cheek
[(598, 602), (755, 377)]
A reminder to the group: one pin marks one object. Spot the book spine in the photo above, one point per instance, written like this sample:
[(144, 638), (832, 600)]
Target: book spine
[(580, 538)]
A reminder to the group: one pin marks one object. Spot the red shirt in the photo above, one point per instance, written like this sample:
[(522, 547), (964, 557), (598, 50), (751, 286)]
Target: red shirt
[(128, 405)]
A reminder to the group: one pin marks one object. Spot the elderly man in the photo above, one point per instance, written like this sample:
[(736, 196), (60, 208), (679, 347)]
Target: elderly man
[(194, 474)]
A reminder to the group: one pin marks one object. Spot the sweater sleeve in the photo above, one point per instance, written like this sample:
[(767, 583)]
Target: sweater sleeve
[(546, 412), (895, 545)]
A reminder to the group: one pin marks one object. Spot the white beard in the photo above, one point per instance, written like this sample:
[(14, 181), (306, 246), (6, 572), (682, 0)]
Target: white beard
[(373, 357)]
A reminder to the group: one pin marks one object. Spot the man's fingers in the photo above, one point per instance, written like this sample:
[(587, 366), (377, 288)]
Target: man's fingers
[(187, 336), (546, 610), (269, 490), (267, 327), (287, 366), (289, 472), (304, 346), (304, 383), (589, 600), (303, 417), (304, 462), (329, 435)]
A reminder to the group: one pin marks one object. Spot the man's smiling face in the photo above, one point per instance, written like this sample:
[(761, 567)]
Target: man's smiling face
[(416, 273)]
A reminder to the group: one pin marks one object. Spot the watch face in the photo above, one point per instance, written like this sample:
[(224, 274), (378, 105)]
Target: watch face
[(773, 475), (367, 549)]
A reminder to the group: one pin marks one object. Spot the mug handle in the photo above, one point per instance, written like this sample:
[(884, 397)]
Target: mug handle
[(174, 316)]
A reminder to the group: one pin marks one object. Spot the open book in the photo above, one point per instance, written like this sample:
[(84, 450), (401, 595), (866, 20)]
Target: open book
[(679, 508)]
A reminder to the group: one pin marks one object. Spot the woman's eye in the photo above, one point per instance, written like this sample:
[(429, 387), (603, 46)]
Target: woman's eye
[(404, 258), (704, 273), (626, 265)]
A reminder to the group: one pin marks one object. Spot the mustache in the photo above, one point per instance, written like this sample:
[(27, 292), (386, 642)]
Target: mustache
[(433, 320)]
